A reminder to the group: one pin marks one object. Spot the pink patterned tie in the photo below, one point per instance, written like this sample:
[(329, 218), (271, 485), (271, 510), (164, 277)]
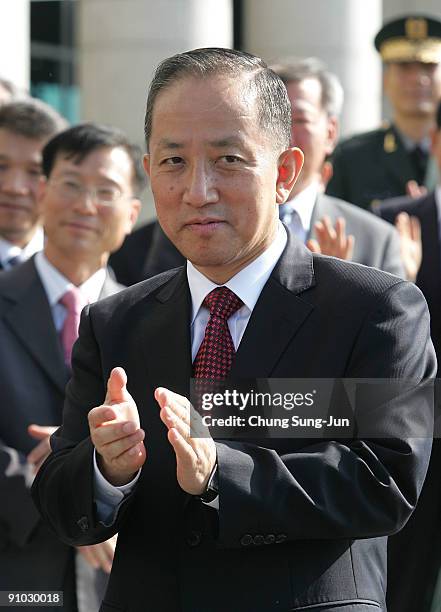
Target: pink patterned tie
[(74, 302), (215, 355)]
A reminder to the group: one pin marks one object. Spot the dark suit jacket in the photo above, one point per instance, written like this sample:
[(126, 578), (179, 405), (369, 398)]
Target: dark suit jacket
[(301, 522), (32, 379), (145, 252), (377, 244), (411, 584), (373, 166)]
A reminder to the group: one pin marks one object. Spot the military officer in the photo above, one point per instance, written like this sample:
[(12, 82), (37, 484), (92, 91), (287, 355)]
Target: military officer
[(394, 159)]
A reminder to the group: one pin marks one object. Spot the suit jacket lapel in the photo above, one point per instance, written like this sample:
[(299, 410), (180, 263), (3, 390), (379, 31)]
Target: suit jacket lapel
[(166, 344), (278, 314), (30, 319)]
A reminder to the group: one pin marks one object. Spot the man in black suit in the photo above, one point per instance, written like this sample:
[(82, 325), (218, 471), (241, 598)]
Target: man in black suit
[(88, 206), (255, 525), (394, 159), (422, 535)]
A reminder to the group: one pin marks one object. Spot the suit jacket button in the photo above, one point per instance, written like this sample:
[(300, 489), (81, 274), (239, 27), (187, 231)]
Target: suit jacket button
[(83, 524), (258, 540), (194, 538), (281, 537), (270, 538), (246, 540)]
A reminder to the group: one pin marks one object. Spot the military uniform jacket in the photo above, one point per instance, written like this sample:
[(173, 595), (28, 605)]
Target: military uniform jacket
[(374, 166)]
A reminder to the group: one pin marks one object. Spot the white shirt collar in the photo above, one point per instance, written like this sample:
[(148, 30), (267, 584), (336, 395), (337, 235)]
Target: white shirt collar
[(303, 203), (8, 250), (56, 284), (246, 284)]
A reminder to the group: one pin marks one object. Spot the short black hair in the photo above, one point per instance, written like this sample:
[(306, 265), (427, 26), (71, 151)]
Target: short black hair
[(31, 118), (273, 106), (78, 141), (438, 116)]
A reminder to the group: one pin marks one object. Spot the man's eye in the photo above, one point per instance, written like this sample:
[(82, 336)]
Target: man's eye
[(173, 161), (231, 159)]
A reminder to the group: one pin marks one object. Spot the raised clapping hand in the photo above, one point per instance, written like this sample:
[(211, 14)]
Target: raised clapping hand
[(195, 456), (115, 432), (332, 240)]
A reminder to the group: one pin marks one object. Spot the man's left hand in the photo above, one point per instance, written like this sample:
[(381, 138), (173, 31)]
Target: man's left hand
[(195, 456)]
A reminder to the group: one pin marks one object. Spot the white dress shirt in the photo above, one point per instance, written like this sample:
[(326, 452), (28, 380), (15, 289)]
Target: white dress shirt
[(56, 284), (247, 285), (8, 250)]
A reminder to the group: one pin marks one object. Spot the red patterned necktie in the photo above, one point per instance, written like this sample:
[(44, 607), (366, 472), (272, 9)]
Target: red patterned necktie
[(215, 355)]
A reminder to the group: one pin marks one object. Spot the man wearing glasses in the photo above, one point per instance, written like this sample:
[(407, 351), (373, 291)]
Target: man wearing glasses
[(88, 205)]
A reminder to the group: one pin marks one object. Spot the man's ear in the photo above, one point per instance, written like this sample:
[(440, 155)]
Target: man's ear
[(332, 134), (435, 138), (146, 163), (135, 207), (289, 166)]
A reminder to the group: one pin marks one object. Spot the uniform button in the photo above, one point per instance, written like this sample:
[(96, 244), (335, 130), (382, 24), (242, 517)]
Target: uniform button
[(258, 539), (270, 538), (281, 537), (83, 524), (246, 540), (194, 538)]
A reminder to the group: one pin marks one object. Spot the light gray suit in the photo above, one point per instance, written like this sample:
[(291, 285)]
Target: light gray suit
[(32, 378), (376, 244)]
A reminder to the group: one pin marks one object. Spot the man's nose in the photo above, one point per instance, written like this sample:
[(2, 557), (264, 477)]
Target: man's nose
[(86, 204), (15, 182), (201, 187)]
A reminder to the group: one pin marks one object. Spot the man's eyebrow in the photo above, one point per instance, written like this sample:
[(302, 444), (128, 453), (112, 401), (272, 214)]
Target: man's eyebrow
[(169, 144), (220, 143), (226, 142)]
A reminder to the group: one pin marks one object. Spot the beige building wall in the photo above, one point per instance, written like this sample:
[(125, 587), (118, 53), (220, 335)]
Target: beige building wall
[(120, 44), (339, 32), (15, 41)]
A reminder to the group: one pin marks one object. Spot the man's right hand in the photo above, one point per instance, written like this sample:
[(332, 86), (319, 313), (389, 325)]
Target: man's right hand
[(115, 432)]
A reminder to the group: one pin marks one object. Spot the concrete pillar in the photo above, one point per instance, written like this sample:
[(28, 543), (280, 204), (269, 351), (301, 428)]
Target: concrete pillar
[(15, 41), (120, 44), (340, 32)]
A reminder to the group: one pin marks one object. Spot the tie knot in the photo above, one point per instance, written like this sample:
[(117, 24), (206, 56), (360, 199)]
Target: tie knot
[(73, 300), (222, 302)]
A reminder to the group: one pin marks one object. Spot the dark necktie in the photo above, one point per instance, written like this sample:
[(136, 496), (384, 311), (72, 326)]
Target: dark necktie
[(215, 355), (11, 262), (419, 161)]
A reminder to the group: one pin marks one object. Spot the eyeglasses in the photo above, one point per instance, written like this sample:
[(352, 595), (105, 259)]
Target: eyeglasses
[(71, 190)]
